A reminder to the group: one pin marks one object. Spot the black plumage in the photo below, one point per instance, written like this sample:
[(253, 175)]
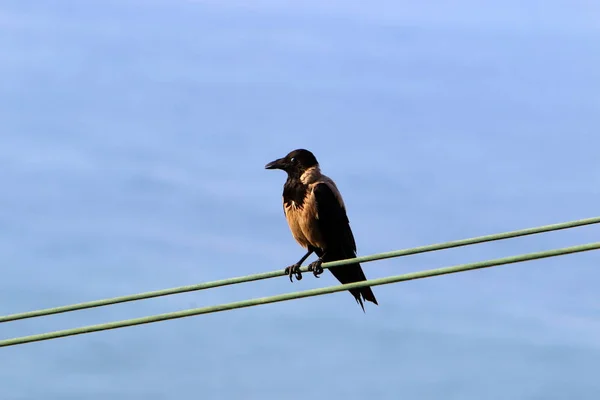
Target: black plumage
[(316, 215)]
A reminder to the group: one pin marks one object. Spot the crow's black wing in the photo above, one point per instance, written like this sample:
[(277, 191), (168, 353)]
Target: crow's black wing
[(335, 229), (333, 222)]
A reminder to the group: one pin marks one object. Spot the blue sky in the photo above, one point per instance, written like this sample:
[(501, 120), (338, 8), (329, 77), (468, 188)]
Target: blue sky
[(133, 140)]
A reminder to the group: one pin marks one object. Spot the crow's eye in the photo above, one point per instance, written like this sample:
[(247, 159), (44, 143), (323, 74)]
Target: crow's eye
[(293, 159)]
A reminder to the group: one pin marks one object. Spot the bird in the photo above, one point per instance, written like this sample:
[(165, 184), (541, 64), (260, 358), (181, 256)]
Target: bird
[(316, 215)]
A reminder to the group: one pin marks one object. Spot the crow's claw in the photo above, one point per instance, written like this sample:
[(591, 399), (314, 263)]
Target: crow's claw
[(316, 268), (293, 270)]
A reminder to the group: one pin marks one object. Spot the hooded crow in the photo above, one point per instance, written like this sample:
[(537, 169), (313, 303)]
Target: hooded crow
[(316, 214)]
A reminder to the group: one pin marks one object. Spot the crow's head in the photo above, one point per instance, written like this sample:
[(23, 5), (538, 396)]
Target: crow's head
[(295, 163)]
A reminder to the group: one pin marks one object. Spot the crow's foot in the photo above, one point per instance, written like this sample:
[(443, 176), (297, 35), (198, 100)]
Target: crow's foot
[(316, 268), (294, 270)]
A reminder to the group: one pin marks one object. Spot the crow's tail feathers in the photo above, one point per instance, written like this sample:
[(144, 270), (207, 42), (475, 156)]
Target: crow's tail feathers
[(352, 273)]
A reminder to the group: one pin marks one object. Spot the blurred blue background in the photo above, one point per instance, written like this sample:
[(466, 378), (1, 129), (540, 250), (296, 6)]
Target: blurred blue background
[(133, 137)]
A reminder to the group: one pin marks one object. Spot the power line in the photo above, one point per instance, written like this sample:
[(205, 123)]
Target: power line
[(279, 272), (298, 295)]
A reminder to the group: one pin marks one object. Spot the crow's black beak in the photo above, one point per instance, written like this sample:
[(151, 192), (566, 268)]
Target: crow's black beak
[(277, 164)]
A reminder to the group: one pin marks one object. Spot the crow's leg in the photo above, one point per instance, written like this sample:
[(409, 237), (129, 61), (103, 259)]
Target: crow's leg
[(295, 269), (315, 266)]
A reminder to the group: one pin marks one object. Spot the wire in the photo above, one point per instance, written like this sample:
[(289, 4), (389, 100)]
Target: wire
[(298, 295), (279, 272)]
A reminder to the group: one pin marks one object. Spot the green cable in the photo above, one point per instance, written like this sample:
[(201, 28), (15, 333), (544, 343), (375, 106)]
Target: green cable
[(298, 295), (279, 272)]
